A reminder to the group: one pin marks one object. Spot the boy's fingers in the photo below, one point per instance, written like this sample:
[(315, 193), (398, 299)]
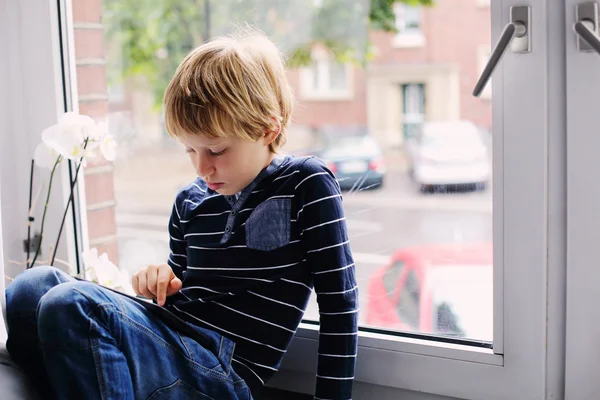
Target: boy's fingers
[(174, 286), (162, 283), (135, 283), (143, 285)]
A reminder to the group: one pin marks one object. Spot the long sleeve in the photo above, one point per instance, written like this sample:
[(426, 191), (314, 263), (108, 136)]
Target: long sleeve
[(321, 218), (177, 243)]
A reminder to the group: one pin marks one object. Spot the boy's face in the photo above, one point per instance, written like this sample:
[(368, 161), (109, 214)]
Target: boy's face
[(227, 165)]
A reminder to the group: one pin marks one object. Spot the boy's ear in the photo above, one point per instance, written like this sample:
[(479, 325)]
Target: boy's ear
[(271, 134)]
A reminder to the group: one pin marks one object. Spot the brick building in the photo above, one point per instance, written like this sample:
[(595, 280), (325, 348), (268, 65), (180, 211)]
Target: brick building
[(424, 72)]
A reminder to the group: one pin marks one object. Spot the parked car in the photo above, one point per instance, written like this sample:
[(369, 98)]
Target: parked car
[(356, 161), (448, 153), (436, 289)]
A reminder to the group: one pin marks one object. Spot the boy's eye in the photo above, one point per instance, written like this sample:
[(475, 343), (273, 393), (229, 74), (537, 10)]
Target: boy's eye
[(189, 150), (216, 153)]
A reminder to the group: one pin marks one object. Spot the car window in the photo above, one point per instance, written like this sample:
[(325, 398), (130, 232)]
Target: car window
[(446, 321), (410, 300), (390, 278)]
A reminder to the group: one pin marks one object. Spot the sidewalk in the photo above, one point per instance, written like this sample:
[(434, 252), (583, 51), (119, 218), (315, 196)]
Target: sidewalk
[(148, 180)]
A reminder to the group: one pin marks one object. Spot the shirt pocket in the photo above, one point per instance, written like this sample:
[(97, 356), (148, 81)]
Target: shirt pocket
[(268, 227)]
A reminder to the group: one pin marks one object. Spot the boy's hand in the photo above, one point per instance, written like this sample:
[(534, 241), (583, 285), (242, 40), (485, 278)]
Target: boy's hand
[(156, 282)]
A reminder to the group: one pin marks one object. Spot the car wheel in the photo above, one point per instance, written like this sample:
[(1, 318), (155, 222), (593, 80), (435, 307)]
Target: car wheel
[(428, 189), (481, 186)]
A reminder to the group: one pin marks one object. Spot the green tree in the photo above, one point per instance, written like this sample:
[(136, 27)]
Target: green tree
[(150, 38)]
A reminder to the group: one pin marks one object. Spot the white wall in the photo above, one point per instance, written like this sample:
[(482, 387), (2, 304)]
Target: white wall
[(29, 102)]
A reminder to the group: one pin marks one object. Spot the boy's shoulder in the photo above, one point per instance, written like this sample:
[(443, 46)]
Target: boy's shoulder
[(192, 193), (306, 173), (305, 166)]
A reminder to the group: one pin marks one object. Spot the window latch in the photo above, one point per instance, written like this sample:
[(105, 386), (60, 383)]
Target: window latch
[(517, 34), (586, 27)]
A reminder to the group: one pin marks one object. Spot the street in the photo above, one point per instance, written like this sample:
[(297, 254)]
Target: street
[(380, 221)]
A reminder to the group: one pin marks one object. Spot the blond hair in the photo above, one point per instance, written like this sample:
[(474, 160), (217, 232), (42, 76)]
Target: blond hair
[(230, 86)]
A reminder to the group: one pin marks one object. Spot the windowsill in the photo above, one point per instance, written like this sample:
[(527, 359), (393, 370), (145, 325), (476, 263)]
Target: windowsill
[(409, 40), (331, 96), (431, 348)]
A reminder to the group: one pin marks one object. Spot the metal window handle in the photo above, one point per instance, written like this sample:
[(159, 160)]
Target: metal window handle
[(517, 33), (587, 27)]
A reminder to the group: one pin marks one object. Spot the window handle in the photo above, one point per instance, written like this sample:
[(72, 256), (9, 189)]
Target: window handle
[(517, 33), (587, 27)]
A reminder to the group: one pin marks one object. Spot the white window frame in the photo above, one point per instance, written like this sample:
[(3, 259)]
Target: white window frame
[(32, 100), (583, 215), (323, 90), (529, 319), (407, 37)]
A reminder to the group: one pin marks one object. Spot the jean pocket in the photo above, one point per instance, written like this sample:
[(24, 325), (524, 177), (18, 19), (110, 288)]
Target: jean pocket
[(268, 227), (178, 390)]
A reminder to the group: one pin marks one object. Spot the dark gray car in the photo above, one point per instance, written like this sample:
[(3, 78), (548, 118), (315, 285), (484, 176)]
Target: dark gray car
[(356, 161)]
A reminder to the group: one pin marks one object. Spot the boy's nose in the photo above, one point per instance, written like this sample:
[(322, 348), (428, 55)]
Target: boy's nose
[(204, 168)]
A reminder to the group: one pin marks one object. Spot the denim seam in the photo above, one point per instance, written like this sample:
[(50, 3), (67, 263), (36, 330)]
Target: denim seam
[(189, 351), (97, 355), (158, 340), (186, 388)]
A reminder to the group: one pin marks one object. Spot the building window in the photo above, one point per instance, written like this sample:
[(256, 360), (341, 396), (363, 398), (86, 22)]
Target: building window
[(409, 26), (413, 98), (326, 79)]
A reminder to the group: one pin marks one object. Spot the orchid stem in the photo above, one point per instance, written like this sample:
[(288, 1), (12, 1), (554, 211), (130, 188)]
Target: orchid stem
[(29, 213), (37, 250), (72, 187), (62, 223)]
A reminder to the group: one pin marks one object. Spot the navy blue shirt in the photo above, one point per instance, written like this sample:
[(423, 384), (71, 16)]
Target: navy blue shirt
[(250, 262)]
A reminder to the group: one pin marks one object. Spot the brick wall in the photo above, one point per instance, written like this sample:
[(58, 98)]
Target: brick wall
[(93, 101), (340, 112)]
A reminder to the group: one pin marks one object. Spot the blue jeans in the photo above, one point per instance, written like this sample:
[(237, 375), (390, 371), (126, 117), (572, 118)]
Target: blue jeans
[(79, 340)]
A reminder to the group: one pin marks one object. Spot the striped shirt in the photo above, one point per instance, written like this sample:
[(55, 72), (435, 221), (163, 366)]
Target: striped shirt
[(249, 264)]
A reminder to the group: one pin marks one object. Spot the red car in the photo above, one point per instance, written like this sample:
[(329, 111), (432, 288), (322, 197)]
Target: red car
[(435, 289)]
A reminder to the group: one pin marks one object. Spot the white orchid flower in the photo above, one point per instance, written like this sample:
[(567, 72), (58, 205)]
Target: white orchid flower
[(104, 272), (68, 137), (65, 140), (44, 156), (98, 132), (125, 283), (108, 148), (77, 125)]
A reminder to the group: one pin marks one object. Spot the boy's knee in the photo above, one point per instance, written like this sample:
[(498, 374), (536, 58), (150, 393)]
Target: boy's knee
[(63, 312), (68, 297), (25, 292)]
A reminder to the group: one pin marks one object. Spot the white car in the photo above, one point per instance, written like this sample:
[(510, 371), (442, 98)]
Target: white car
[(449, 153)]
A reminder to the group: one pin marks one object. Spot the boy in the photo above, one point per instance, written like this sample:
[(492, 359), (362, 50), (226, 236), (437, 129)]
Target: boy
[(249, 239)]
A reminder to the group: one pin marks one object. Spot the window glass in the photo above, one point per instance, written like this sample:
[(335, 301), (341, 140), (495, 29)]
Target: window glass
[(427, 202)]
